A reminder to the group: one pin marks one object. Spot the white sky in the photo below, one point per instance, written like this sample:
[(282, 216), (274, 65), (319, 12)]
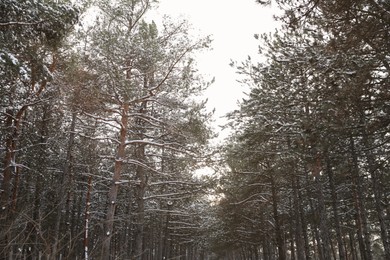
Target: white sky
[(232, 25)]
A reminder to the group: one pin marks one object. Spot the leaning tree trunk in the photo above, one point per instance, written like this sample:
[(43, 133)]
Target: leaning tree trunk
[(13, 123)]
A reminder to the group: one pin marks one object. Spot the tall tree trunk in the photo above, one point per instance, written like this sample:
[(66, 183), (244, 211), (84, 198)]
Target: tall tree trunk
[(140, 219), (141, 174), (9, 159), (5, 191), (314, 225), (64, 184), (361, 219), (322, 214), (303, 220), (292, 233), (113, 192), (354, 253), (128, 224), (86, 218), (278, 229), (323, 221), (318, 250), (266, 253), (13, 123), (297, 217), (378, 191), (335, 209)]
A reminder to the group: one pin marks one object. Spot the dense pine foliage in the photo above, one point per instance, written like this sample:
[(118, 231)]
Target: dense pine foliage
[(309, 157), (102, 130)]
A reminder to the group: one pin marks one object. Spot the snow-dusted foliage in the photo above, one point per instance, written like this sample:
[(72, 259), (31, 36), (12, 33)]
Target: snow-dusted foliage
[(101, 133), (29, 31), (307, 157), (146, 83)]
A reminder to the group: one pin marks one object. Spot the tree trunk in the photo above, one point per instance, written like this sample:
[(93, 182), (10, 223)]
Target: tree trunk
[(361, 220), (335, 210), (140, 219), (113, 192), (278, 229), (86, 219), (324, 240), (354, 253), (266, 253), (298, 224), (141, 177), (13, 123), (318, 250), (64, 184), (292, 240), (303, 220), (10, 147), (378, 191), (323, 222), (5, 191)]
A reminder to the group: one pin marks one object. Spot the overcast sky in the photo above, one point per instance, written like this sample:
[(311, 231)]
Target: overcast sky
[(232, 25)]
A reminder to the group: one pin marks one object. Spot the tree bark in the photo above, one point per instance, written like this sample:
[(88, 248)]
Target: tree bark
[(380, 212), (323, 223), (140, 219), (13, 123), (378, 191), (10, 147), (324, 241), (86, 219), (113, 192), (361, 219), (64, 184), (298, 225), (278, 229), (303, 221), (335, 210)]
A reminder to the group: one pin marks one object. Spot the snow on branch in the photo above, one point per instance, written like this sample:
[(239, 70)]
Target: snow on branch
[(138, 163), (99, 138), (169, 195), (171, 212), (173, 182), (249, 199), (165, 145), (20, 23)]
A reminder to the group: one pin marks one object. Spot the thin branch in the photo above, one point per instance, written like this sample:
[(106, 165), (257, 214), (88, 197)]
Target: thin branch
[(20, 23)]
